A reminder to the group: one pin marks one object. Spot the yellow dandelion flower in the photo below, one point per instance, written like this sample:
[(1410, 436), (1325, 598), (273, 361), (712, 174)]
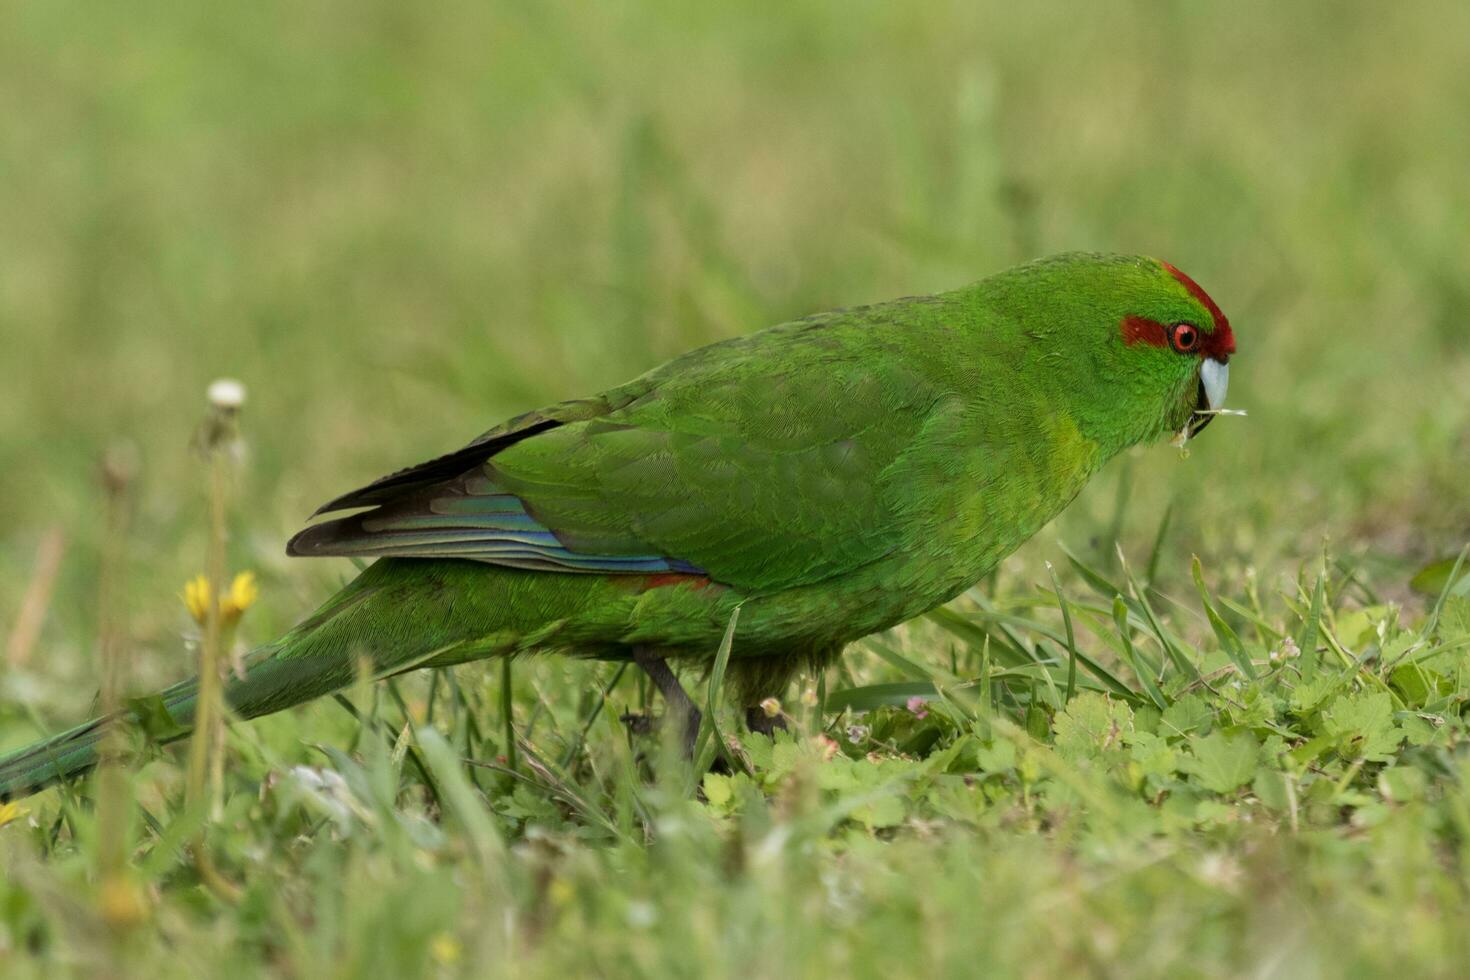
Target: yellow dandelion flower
[(9, 812), (196, 598), (240, 596)]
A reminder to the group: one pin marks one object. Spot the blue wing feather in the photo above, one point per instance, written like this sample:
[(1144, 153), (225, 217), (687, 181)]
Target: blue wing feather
[(470, 518)]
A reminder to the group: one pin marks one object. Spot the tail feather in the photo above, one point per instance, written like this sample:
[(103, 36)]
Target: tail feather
[(57, 758), (318, 657), (74, 752)]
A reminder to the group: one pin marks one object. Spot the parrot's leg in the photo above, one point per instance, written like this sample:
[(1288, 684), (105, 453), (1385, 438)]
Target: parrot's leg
[(668, 685), (761, 723)]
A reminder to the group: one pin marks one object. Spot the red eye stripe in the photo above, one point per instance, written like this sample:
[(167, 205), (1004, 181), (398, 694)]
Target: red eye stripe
[(1185, 338), (1142, 330)]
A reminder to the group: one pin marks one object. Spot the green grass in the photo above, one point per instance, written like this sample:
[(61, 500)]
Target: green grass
[(400, 224)]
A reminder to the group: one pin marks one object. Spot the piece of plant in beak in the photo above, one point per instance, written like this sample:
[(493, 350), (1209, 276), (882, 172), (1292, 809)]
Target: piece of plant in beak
[(1214, 380)]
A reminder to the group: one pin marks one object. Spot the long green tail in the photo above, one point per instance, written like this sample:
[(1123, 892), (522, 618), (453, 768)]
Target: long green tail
[(73, 752), (318, 657)]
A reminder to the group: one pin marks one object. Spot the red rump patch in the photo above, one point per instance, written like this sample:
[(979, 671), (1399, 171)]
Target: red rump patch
[(1219, 344), (674, 578)]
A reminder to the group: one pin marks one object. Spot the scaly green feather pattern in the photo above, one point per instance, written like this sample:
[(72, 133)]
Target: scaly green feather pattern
[(832, 477)]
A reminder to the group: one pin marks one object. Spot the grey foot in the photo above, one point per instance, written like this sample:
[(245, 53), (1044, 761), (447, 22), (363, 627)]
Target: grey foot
[(680, 706)]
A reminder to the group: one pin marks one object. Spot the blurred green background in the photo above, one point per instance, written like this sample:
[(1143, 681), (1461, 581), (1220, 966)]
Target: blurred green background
[(398, 224)]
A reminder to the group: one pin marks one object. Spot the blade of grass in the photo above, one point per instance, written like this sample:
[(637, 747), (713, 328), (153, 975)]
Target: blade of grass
[(1114, 534), (1056, 586), (1106, 677), (1265, 632), (413, 752), (1229, 642), (1171, 649), (1145, 676), (872, 696), (557, 783), (1307, 638), (1100, 583), (464, 804), (976, 635), (904, 664), (603, 693), (821, 712), (987, 693), (1432, 623), (709, 728), (1151, 570), (507, 713), (987, 607)]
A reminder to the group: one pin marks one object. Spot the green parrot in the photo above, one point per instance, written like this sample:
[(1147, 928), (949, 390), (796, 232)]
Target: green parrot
[(829, 477)]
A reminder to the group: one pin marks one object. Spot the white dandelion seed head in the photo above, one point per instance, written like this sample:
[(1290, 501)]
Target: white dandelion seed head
[(226, 393)]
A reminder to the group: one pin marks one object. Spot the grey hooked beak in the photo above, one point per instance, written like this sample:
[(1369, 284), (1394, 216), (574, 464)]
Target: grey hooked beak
[(1214, 379)]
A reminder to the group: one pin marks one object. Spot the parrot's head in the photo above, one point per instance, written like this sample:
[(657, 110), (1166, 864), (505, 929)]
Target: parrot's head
[(1138, 350), (1180, 333)]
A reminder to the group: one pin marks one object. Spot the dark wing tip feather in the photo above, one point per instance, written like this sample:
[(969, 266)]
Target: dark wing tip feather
[(436, 470), (316, 541)]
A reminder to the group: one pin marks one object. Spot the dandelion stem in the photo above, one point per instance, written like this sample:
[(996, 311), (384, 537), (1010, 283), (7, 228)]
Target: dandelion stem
[(205, 774), (206, 712), (113, 786)]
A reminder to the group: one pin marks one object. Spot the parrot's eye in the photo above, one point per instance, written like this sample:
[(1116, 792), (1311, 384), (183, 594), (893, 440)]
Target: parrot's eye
[(1185, 337)]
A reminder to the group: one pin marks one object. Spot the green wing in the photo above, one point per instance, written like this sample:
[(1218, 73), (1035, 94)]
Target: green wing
[(759, 462)]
